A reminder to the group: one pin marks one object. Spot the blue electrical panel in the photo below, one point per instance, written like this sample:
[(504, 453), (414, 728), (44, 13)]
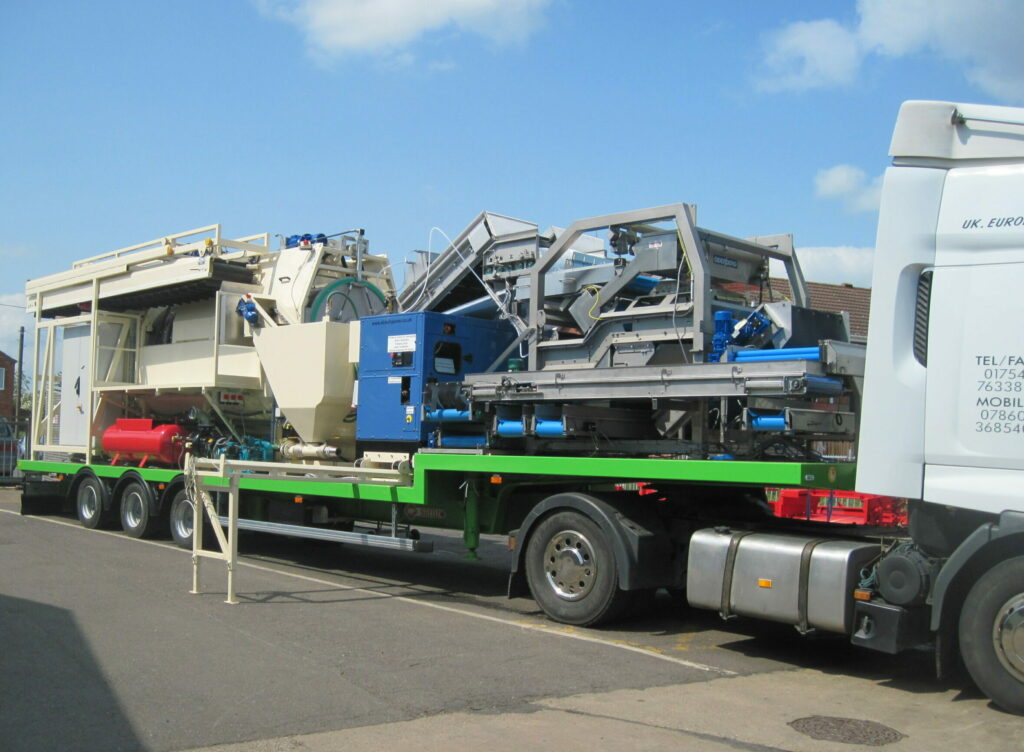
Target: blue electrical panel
[(400, 353)]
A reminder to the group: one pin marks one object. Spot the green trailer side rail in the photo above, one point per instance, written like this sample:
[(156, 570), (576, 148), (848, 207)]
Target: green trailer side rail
[(838, 476)]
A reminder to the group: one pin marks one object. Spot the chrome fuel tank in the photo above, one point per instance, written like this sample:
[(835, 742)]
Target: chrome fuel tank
[(798, 580)]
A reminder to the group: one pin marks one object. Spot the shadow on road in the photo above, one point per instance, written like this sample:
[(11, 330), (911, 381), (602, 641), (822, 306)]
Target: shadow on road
[(53, 694)]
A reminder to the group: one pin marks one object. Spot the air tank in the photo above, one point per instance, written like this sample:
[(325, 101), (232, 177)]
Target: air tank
[(138, 439)]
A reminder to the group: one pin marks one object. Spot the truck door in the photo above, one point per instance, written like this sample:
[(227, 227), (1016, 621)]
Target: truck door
[(974, 424)]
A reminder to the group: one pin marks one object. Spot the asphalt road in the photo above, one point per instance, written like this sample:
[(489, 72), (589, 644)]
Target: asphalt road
[(102, 647)]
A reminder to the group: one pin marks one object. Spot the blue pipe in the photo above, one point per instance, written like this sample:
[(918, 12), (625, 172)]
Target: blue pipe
[(511, 428), (549, 429), (789, 353), (463, 441), (778, 358), (768, 422), (449, 415)]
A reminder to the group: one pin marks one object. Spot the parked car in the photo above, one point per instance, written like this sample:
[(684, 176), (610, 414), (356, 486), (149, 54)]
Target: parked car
[(8, 448)]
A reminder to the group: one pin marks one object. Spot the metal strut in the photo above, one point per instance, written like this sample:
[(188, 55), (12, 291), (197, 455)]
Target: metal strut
[(204, 508)]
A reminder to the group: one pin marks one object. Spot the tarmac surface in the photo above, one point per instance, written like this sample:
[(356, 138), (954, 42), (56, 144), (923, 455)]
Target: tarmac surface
[(102, 647)]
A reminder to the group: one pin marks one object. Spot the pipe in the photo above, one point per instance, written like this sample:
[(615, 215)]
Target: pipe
[(315, 313), (450, 415), (768, 422), (298, 450), (787, 353), (463, 441)]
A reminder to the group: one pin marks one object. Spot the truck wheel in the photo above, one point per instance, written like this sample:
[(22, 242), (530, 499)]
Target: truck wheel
[(90, 496), (137, 518), (992, 634), (181, 519), (570, 567)]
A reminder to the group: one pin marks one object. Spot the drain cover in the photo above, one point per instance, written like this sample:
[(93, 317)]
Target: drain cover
[(846, 730)]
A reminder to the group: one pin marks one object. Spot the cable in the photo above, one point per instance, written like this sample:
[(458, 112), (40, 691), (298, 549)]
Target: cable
[(597, 299), (426, 273), (491, 294), (321, 299)]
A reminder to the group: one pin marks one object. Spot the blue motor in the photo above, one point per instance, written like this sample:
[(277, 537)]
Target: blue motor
[(723, 333), (246, 308), (753, 325), (294, 241)]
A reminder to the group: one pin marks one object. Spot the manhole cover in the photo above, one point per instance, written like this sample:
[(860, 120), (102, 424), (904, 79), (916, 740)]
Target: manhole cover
[(846, 730)]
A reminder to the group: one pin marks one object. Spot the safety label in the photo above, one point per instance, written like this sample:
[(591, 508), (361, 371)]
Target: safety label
[(401, 343)]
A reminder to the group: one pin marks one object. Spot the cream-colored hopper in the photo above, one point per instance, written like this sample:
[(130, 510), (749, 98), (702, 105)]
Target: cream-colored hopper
[(308, 369)]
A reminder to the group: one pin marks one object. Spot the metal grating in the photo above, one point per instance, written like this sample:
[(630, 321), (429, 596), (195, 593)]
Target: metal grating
[(921, 309)]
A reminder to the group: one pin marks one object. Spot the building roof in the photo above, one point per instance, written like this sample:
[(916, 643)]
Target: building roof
[(855, 301)]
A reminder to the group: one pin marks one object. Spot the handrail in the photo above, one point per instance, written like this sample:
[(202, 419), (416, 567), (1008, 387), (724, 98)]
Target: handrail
[(158, 242)]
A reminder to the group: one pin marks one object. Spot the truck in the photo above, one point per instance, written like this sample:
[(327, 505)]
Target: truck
[(614, 396)]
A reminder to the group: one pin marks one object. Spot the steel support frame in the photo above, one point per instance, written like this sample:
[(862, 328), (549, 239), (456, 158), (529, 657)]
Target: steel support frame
[(692, 246), (204, 508), (771, 378)]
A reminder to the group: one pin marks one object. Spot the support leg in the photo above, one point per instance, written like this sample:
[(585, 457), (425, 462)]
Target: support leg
[(471, 520)]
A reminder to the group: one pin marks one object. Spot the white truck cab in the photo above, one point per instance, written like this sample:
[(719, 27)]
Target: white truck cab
[(943, 411)]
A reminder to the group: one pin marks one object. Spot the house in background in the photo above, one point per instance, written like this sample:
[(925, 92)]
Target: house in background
[(8, 375)]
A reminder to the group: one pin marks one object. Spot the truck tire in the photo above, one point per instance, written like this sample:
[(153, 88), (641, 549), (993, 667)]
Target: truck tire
[(571, 570), (90, 503), (137, 518), (181, 519), (992, 634)]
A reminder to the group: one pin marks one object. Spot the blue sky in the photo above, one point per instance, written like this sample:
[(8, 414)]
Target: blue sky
[(126, 120)]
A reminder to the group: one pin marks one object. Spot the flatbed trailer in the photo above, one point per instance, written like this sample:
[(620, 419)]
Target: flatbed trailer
[(611, 403), (475, 493)]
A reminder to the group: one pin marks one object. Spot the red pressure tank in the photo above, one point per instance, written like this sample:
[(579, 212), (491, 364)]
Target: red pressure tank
[(139, 439)]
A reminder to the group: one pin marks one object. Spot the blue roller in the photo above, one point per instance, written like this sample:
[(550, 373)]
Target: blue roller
[(550, 429), (461, 441), (788, 353), (768, 423), (511, 428), (449, 415)]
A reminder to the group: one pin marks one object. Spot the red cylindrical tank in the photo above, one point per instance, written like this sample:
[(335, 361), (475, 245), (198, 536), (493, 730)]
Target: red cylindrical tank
[(139, 439)]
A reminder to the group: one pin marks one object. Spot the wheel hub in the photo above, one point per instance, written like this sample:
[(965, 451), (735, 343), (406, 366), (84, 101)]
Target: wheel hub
[(1008, 636), (182, 520), (133, 509), (88, 502), (569, 565)]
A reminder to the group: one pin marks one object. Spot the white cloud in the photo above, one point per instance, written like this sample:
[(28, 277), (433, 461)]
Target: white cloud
[(850, 185), (833, 264), (808, 55), (981, 36), (388, 26)]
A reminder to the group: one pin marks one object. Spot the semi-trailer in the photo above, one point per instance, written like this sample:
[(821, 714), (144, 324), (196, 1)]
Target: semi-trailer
[(615, 396)]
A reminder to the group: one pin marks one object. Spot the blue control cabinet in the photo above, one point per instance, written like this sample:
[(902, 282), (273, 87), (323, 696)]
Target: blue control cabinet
[(399, 353)]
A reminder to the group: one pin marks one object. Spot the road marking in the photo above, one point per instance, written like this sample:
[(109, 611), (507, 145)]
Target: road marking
[(549, 629)]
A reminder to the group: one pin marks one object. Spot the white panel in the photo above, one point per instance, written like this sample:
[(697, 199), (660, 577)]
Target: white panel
[(890, 452), (927, 129), (180, 364), (982, 217), (975, 403), (74, 398), (194, 321), (974, 488)]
